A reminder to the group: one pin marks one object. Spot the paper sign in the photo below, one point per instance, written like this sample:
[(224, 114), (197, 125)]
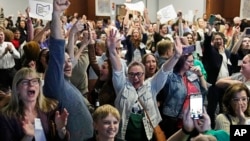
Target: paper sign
[(138, 6), (41, 9), (189, 16), (167, 13)]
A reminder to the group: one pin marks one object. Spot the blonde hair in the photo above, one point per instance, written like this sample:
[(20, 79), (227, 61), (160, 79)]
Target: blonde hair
[(103, 111), (101, 44), (15, 106)]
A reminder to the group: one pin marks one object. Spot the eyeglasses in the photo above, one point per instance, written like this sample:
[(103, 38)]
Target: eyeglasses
[(26, 82), (138, 74), (243, 99), (190, 61)]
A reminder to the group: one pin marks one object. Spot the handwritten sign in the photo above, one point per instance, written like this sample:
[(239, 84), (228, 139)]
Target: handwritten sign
[(41, 9), (167, 13), (138, 6)]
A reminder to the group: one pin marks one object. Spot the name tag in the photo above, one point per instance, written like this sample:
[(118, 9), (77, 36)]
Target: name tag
[(239, 62)]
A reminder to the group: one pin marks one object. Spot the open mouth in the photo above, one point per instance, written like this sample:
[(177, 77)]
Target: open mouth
[(31, 93)]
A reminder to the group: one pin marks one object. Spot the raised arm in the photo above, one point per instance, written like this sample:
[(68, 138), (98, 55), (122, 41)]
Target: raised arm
[(59, 7), (237, 45), (114, 57), (30, 29), (169, 65), (147, 20), (40, 36), (78, 26)]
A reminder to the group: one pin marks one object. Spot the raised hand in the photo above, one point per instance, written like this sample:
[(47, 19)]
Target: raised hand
[(111, 39), (60, 5), (178, 46), (78, 26), (61, 119)]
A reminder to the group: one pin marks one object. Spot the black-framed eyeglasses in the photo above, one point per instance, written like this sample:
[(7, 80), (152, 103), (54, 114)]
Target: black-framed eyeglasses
[(26, 82), (138, 74)]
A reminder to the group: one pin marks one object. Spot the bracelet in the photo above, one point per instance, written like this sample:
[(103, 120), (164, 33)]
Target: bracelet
[(185, 131)]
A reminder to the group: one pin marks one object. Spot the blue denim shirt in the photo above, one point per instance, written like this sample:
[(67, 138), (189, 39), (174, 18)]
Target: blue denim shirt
[(175, 92)]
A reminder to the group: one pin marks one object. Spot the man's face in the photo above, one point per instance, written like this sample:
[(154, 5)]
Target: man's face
[(218, 41), (164, 29), (67, 67)]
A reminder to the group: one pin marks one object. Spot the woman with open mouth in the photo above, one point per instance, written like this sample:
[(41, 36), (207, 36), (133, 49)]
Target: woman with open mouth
[(29, 114)]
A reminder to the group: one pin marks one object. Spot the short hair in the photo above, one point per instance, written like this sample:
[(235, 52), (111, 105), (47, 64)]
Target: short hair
[(229, 94), (219, 34), (163, 46), (104, 110), (136, 63), (101, 44)]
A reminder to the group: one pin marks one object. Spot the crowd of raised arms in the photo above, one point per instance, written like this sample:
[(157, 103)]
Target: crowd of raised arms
[(75, 79)]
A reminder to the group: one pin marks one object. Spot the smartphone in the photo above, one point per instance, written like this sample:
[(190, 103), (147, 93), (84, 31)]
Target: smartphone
[(247, 31), (211, 19), (188, 49), (196, 106)]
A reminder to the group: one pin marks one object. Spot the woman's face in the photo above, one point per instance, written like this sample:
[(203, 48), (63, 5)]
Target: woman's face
[(245, 66), (136, 76), (245, 43), (28, 89), (239, 101), (150, 65), (136, 34), (17, 35), (190, 39), (201, 23), (104, 72), (107, 127), (189, 63)]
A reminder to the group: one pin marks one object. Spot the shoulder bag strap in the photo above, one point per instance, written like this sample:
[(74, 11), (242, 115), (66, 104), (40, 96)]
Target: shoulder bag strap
[(144, 108)]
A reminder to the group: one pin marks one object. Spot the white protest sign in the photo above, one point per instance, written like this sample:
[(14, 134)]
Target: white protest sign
[(41, 9), (167, 13), (189, 16), (138, 6)]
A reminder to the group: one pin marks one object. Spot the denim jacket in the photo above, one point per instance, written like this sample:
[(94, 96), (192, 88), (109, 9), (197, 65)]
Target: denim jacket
[(127, 95), (175, 93)]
